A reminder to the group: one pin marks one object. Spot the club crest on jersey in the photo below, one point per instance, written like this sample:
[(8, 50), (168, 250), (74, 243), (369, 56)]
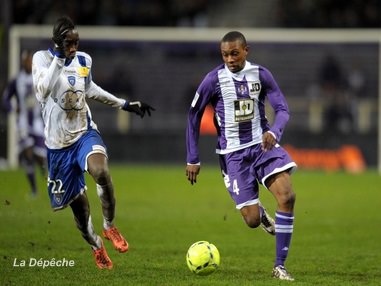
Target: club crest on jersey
[(242, 89), (71, 80), (255, 87)]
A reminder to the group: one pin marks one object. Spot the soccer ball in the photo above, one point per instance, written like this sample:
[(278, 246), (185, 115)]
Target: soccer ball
[(203, 258)]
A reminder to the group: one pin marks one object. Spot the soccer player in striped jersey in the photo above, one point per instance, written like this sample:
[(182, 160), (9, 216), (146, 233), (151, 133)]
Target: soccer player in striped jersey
[(248, 147), (32, 150), (62, 81)]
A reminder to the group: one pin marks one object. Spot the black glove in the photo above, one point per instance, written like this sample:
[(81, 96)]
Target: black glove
[(59, 45), (138, 107)]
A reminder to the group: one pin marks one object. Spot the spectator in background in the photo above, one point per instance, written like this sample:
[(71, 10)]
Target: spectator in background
[(329, 14), (29, 122)]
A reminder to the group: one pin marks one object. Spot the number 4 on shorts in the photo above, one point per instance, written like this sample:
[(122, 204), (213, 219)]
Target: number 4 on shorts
[(235, 187)]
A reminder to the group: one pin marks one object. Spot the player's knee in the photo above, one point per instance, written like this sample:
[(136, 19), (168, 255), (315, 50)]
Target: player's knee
[(101, 175), (251, 221), (288, 200)]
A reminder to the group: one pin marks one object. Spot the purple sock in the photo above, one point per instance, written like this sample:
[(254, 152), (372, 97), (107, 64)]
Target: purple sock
[(284, 225), (32, 181)]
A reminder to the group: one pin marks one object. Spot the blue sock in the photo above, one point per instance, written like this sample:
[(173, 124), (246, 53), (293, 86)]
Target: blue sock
[(284, 225)]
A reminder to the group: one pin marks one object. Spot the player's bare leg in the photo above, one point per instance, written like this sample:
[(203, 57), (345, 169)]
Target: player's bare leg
[(106, 195), (255, 215), (81, 210), (98, 169), (280, 186), (251, 215)]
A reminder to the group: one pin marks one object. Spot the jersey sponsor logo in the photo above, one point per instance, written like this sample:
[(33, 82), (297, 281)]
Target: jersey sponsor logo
[(255, 88), (69, 70), (83, 71), (71, 100), (243, 110)]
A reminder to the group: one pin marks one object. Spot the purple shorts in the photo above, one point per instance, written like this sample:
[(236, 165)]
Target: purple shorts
[(242, 170), (36, 142)]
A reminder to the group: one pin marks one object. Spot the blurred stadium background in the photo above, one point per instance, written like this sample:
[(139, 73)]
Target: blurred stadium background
[(324, 54)]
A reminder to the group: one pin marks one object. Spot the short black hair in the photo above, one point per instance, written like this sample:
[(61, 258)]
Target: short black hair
[(234, 36), (63, 25)]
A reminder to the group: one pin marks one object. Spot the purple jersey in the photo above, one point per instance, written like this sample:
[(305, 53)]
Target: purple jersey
[(238, 100), (29, 121), (29, 111)]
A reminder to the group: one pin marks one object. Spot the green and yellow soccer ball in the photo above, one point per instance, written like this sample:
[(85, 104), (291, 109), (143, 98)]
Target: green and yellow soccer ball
[(203, 258)]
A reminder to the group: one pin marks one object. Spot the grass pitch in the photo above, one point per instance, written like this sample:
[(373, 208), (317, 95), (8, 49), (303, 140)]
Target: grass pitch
[(337, 233)]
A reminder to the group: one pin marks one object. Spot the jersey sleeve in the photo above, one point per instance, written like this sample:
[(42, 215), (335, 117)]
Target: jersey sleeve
[(99, 94), (8, 93), (45, 72), (94, 91), (201, 99), (277, 101)]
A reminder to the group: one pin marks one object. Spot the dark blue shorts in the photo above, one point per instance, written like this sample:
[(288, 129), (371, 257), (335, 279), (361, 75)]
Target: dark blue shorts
[(67, 166), (243, 169)]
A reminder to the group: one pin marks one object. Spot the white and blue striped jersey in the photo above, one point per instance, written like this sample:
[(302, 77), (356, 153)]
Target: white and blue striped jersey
[(238, 100), (62, 87)]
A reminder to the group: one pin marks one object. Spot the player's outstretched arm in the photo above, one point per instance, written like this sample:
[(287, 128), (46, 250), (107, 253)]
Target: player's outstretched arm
[(138, 107)]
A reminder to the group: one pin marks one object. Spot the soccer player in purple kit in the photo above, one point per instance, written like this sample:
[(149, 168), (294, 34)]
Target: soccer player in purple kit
[(30, 127), (248, 147), (62, 80)]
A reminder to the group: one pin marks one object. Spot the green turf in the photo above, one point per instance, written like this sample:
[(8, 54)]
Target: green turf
[(337, 234)]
